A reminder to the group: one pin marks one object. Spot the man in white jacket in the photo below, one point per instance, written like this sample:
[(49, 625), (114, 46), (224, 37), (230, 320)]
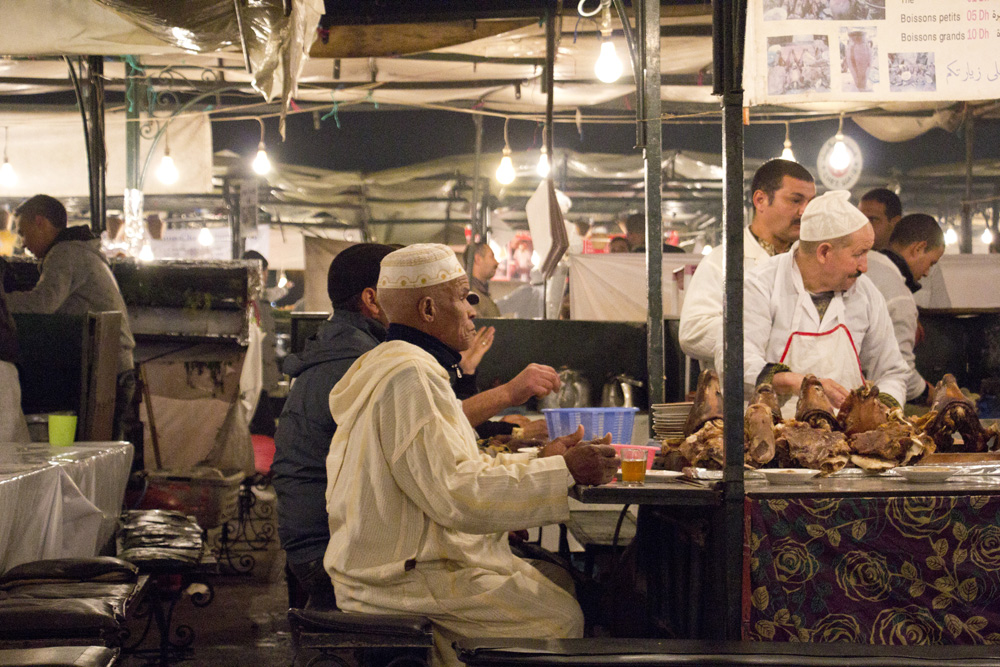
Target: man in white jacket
[(418, 516), (915, 246), (780, 191), (812, 311)]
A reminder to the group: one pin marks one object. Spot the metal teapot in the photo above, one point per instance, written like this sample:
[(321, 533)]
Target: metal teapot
[(574, 392), (617, 392)]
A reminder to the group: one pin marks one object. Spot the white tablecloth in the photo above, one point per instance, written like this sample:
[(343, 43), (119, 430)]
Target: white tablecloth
[(59, 502)]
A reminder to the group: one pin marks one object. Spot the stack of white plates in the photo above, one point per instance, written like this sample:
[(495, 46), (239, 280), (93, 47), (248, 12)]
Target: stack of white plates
[(669, 418)]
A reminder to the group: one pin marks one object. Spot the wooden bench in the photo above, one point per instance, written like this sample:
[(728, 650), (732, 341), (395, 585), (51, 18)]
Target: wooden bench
[(668, 653)]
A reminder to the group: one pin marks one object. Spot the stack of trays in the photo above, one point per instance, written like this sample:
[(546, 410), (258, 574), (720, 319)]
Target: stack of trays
[(669, 418)]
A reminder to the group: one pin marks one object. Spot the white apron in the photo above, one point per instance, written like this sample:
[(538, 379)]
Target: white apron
[(827, 354)]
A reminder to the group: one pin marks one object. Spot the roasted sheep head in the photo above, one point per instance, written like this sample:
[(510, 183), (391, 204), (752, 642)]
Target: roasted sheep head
[(892, 443), (758, 435), (764, 393), (707, 402), (862, 411), (798, 444), (954, 413), (814, 407)]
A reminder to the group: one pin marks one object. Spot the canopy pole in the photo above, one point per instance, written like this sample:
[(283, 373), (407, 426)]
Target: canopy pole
[(965, 242), (476, 222), (728, 33), (133, 83), (93, 104), (648, 27)]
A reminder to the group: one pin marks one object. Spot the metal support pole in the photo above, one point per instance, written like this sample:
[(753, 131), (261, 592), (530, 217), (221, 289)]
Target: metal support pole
[(728, 35), (476, 219), (133, 83), (648, 27), (965, 239), (93, 100)]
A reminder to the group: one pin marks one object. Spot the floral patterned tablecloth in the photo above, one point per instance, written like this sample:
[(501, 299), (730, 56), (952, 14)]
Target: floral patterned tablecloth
[(879, 570)]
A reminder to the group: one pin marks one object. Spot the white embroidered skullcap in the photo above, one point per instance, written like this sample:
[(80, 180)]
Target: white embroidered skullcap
[(830, 216), (419, 265)]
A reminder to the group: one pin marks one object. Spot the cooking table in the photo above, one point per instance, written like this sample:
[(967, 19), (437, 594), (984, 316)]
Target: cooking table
[(58, 502)]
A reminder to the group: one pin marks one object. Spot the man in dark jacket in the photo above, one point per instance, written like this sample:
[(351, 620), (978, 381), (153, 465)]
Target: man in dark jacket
[(305, 427)]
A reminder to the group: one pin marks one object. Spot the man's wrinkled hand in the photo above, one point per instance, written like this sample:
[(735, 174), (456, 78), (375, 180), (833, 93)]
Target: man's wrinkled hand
[(560, 445), (592, 464), (481, 344), (834, 391), (535, 429), (534, 380)]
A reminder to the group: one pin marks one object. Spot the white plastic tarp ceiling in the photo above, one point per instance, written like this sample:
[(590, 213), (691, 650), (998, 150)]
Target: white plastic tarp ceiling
[(49, 154)]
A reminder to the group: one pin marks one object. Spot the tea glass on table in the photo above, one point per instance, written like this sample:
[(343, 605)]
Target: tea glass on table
[(633, 466)]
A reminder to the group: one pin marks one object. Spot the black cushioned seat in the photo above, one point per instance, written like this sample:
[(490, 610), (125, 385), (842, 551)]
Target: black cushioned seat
[(400, 627), (67, 601), (667, 653), (59, 656), (97, 568), (332, 631)]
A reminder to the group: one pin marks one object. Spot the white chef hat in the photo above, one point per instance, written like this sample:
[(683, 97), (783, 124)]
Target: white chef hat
[(830, 216), (419, 265)]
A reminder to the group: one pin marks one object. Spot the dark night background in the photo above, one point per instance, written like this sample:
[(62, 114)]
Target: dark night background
[(384, 139)]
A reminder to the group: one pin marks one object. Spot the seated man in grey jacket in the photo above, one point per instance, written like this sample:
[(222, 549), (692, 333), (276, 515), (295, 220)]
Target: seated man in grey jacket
[(76, 279), (915, 246)]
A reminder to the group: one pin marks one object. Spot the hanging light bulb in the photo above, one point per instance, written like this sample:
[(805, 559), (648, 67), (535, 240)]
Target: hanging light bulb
[(505, 172), (608, 67), (146, 254), (543, 167), (987, 236), (167, 171), (261, 163), (786, 153), (8, 177), (840, 156), (205, 237), (950, 236), (282, 279), (706, 249)]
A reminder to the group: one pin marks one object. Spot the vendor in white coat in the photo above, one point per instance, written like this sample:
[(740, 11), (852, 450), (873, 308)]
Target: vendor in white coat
[(915, 246), (780, 191), (812, 310)]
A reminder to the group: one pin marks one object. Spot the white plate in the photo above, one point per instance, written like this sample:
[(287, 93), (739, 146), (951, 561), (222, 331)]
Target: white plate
[(662, 475), (925, 474), (780, 476)]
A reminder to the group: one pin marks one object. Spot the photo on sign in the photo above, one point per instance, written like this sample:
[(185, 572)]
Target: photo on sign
[(858, 59), (798, 64), (824, 10), (912, 72)]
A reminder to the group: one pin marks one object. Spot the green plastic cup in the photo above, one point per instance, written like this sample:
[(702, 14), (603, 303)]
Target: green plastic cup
[(62, 429)]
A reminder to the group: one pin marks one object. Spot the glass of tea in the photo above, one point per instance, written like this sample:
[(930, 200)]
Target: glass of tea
[(633, 466)]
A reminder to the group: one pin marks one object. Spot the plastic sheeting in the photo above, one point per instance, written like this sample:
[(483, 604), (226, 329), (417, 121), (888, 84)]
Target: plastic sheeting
[(273, 44), (59, 502), (49, 154), (612, 287)]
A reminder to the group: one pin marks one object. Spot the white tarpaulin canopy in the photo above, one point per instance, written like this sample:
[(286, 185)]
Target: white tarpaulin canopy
[(613, 287), (51, 154)]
